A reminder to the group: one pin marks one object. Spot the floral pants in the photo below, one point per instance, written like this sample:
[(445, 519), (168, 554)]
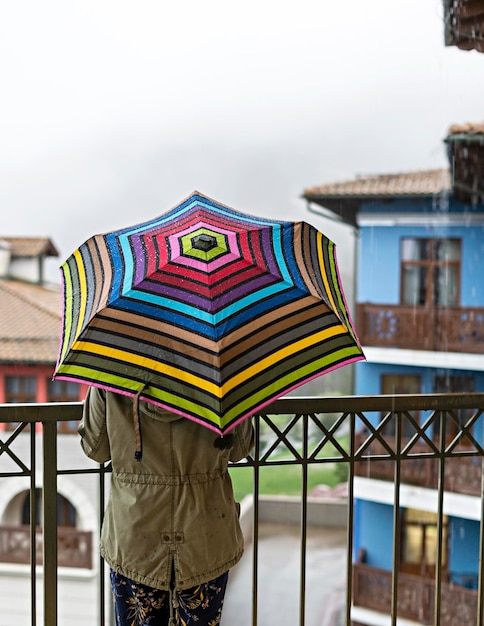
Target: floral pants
[(136, 604)]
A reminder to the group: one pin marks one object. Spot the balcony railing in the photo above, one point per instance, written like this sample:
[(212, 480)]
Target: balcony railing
[(372, 587), (462, 475), (452, 329), (307, 433), (74, 547)]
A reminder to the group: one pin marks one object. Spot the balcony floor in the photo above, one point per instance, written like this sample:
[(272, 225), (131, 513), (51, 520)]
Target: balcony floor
[(279, 578)]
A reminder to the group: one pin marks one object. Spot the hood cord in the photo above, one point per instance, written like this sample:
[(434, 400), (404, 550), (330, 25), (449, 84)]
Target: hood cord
[(138, 453)]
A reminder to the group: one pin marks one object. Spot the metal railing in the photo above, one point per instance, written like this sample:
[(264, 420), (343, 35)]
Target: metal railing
[(303, 432)]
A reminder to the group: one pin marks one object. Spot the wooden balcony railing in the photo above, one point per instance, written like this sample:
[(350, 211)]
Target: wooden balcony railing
[(372, 589), (451, 329), (461, 475), (74, 547)]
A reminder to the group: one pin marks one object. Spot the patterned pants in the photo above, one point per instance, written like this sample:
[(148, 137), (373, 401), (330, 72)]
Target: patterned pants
[(136, 604)]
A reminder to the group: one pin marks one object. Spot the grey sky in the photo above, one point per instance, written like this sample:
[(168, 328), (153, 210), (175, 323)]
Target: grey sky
[(114, 111)]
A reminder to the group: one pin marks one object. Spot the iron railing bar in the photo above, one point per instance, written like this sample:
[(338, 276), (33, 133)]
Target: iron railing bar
[(255, 525), (480, 581), (440, 514), (356, 404), (281, 437), (329, 438), (5, 447), (46, 412), (350, 526), (102, 586), (375, 432), (396, 525), (464, 430), (49, 518), (304, 522), (72, 411), (420, 434), (33, 522)]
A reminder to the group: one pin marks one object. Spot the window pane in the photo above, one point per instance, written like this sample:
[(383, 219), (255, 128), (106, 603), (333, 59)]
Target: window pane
[(414, 285), (415, 249), (445, 285), (20, 388), (62, 391), (447, 250)]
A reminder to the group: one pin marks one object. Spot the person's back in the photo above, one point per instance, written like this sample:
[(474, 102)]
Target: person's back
[(171, 520)]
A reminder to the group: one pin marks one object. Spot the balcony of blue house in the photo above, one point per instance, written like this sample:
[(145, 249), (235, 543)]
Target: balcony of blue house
[(403, 326)]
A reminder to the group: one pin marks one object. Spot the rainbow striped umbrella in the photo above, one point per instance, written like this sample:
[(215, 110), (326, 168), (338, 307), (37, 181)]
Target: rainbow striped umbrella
[(206, 311)]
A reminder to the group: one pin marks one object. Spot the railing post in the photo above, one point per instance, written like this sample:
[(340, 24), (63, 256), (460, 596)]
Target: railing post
[(49, 513)]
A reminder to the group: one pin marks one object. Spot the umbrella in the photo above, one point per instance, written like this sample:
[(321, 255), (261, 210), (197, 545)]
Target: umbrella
[(206, 311)]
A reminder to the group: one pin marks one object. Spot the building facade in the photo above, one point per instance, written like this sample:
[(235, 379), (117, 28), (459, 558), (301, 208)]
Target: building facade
[(30, 326), (420, 319)]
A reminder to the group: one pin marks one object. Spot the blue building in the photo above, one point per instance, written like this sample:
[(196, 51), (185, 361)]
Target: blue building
[(420, 319)]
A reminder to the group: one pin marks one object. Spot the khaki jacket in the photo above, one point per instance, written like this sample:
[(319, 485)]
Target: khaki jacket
[(174, 509)]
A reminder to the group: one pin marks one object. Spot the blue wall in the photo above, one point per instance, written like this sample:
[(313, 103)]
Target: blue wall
[(379, 256), (374, 533), (463, 551), (368, 376)]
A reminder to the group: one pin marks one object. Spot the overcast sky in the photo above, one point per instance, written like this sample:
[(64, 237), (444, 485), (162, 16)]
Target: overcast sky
[(113, 111)]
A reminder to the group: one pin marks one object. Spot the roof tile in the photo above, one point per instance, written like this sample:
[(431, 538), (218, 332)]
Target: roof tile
[(30, 322), (30, 246), (419, 183)]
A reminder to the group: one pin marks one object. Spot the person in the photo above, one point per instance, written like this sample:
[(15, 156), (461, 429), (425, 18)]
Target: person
[(171, 528)]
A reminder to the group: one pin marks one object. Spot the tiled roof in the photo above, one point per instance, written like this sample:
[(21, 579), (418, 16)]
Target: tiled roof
[(30, 246), (30, 322), (469, 129), (419, 183)]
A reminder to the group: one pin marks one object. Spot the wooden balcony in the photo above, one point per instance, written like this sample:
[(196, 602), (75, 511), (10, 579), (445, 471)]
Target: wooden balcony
[(74, 547), (462, 475), (372, 589), (452, 329)]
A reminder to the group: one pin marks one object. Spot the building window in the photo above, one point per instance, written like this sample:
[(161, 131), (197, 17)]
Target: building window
[(430, 272), (20, 389), (66, 513), (74, 546), (419, 542), (397, 384), (63, 391)]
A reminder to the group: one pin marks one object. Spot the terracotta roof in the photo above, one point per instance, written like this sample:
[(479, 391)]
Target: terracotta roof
[(30, 246), (470, 129), (420, 183), (30, 322)]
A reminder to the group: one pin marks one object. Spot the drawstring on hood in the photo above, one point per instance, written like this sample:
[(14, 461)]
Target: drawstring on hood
[(138, 453)]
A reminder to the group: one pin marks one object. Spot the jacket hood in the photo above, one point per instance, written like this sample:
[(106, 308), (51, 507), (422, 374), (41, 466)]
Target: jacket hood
[(148, 409)]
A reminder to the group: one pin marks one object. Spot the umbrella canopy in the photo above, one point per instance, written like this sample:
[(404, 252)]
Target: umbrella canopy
[(206, 311)]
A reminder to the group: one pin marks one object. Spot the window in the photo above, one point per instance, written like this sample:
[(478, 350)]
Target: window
[(63, 391), (430, 272), (396, 384), (419, 542), (20, 389), (66, 513)]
